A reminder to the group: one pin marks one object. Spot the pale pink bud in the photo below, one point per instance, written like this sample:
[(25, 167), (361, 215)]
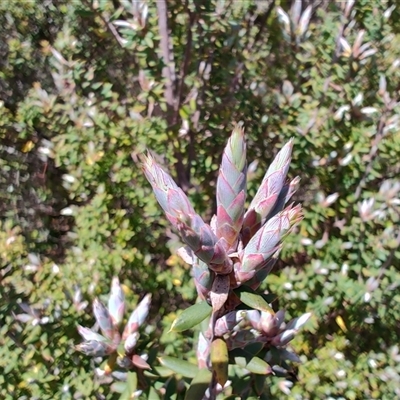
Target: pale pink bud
[(104, 320), (116, 302), (137, 317)]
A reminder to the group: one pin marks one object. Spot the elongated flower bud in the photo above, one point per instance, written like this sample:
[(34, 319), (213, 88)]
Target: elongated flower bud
[(268, 192), (116, 302), (95, 349), (193, 230), (137, 317), (266, 242), (231, 189), (88, 334), (104, 320), (131, 341)]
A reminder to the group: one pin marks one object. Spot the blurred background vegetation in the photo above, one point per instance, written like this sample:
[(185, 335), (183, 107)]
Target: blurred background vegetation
[(86, 86)]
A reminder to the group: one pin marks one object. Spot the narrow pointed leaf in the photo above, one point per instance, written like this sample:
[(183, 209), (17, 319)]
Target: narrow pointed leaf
[(295, 12), (191, 317), (199, 385), (256, 365), (182, 367), (304, 20), (252, 299), (159, 371)]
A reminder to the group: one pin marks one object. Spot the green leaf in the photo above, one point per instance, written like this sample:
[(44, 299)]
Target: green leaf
[(219, 360), (199, 385), (191, 317), (159, 371), (252, 299), (171, 390), (120, 387), (179, 366), (129, 387), (153, 394), (256, 365)]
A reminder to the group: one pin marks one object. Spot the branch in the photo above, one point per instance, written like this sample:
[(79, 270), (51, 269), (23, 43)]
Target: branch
[(168, 72), (187, 56), (184, 70), (173, 102)]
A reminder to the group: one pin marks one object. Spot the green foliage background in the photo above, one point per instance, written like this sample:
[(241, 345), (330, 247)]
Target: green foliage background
[(84, 92)]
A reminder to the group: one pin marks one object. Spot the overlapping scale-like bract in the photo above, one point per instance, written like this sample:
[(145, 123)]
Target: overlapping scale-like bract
[(267, 195), (266, 242), (203, 278), (232, 255), (250, 241), (231, 189), (137, 317), (193, 230)]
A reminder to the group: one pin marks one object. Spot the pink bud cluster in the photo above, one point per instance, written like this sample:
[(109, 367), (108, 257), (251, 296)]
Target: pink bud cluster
[(109, 320)]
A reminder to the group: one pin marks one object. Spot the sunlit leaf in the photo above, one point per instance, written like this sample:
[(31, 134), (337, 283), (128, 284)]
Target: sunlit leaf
[(191, 317)]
